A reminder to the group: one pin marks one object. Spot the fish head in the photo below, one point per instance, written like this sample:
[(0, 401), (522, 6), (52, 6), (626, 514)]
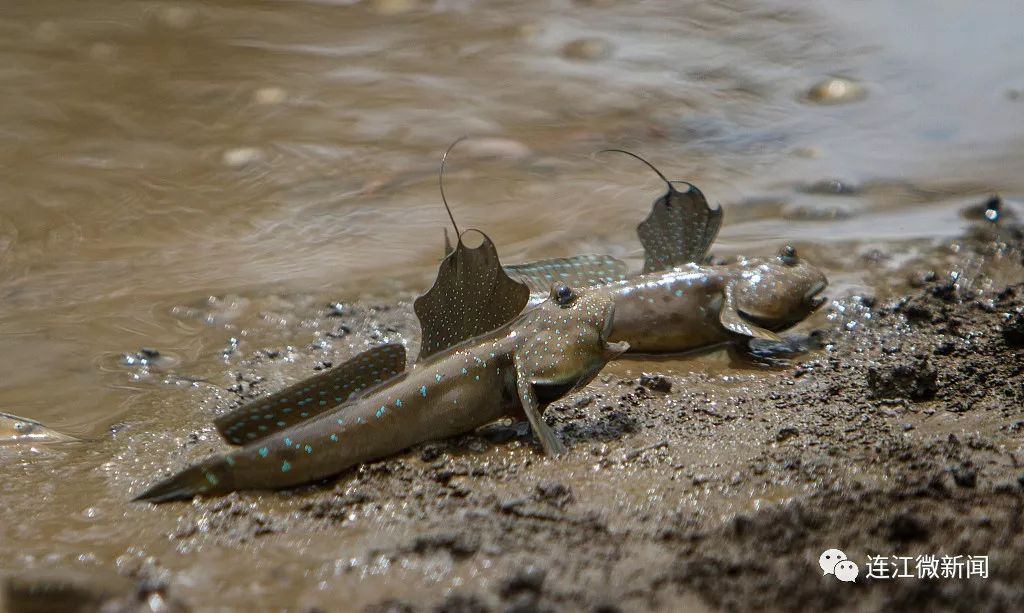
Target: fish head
[(565, 339), (16, 429), (778, 292)]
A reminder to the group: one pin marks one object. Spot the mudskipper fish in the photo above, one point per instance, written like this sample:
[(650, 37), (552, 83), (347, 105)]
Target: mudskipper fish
[(679, 303), (14, 429), (482, 358)]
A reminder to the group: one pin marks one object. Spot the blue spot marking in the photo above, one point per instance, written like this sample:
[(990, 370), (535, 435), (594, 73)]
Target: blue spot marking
[(254, 417), (341, 422), (211, 478), (334, 437), (308, 449), (230, 460), (262, 428), (465, 372), (398, 402), (285, 466), (263, 452), (477, 377), (679, 293), (437, 377), (268, 416), (282, 424), (288, 441), (337, 398), (380, 412), (423, 391), (286, 410)]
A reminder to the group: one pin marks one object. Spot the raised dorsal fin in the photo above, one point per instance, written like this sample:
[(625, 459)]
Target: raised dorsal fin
[(681, 226), (311, 397), (576, 271), (471, 296)]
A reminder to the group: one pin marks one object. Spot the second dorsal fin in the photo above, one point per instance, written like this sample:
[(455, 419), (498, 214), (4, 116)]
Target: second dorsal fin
[(471, 296), (681, 226), (576, 271), (310, 397)]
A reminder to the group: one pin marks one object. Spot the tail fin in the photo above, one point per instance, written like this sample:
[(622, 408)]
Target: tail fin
[(209, 477)]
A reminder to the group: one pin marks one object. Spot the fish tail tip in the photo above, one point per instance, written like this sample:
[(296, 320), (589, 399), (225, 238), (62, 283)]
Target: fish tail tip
[(165, 492), (183, 486)]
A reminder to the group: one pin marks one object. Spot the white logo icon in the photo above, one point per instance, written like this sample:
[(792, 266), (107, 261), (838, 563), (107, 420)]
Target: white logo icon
[(835, 562), (847, 571), (828, 560)]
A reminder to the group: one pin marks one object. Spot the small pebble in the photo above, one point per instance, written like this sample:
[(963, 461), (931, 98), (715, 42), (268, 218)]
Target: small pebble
[(241, 157), (392, 7), (269, 95), (816, 211), (102, 51), (836, 90), (495, 148), (589, 49), (48, 32), (177, 16), (528, 32)]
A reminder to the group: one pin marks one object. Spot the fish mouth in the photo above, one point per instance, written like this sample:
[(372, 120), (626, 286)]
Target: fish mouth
[(611, 349), (813, 299)]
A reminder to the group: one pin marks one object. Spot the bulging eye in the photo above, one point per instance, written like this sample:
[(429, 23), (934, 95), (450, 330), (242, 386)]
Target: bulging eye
[(562, 294), (788, 255)]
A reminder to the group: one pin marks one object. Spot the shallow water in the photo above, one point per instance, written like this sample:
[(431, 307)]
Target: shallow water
[(178, 175)]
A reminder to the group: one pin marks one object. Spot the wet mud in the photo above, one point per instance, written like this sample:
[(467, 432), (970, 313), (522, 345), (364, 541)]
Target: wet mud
[(684, 487)]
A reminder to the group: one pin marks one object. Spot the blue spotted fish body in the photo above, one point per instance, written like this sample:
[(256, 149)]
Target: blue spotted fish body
[(546, 351)]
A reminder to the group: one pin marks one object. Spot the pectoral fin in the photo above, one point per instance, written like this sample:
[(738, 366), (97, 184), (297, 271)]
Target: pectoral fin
[(552, 446), (731, 320)]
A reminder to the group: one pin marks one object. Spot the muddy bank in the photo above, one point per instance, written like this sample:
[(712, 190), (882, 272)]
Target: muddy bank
[(685, 486)]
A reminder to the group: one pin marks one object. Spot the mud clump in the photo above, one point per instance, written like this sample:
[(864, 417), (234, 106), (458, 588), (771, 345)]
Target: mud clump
[(916, 380), (1013, 330)]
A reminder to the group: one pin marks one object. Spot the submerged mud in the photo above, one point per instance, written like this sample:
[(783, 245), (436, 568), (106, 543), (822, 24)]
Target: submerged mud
[(684, 486)]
